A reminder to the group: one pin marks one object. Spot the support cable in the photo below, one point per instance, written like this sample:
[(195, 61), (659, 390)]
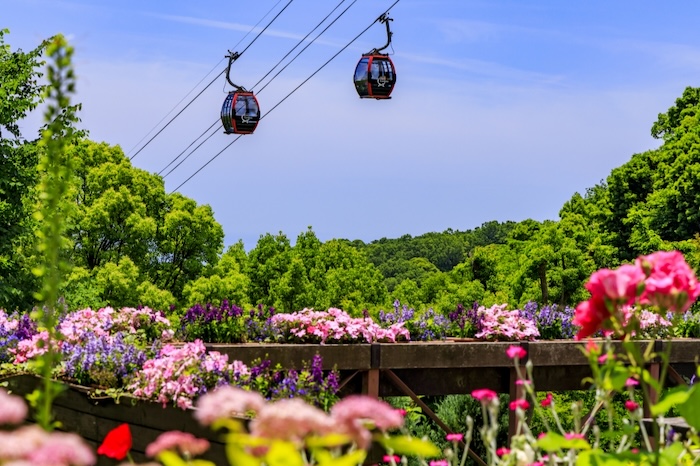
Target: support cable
[(261, 79), (285, 98), (212, 82)]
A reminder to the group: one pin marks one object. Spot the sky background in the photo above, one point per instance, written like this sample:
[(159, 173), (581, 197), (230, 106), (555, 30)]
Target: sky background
[(502, 109)]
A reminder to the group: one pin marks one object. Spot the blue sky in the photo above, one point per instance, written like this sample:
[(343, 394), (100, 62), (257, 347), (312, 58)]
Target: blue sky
[(501, 111)]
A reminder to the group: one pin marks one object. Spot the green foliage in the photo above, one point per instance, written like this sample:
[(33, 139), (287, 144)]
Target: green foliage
[(20, 93), (55, 171)]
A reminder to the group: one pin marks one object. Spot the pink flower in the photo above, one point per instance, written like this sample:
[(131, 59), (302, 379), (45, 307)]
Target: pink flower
[(671, 283), (572, 436), (547, 401), (291, 419), (631, 405), (402, 412), (454, 437), (391, 458), (523, 382), (516, 352), (619, 286), (631, 382), (13, 410), (484, 395), (590, 315), (380, 413), (439, 463), (226, 402), (502, 451), (183, 443), (62, 448), (519, 403)]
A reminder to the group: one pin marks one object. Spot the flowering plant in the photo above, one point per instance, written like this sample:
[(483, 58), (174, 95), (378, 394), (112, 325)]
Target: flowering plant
[(335, 326), (497, 323), (422, 326), (227, 324), (657, 283)]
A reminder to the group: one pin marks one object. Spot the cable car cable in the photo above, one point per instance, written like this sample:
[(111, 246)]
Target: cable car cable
[(298, 44), (212, 82), (203, 78), (285, 98), (185, 149), (307, 46), (259, 81)]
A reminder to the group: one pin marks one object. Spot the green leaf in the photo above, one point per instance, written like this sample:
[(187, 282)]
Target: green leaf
[(283, 453), (669, 456), (690, 408), (170, 458), (236, 455), (552, 441), (599, 458), (353, 458), (409, 446), (673, 398), (327, 441)]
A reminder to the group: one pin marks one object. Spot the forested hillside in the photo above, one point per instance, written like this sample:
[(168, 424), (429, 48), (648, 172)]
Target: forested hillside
[(130, 243)]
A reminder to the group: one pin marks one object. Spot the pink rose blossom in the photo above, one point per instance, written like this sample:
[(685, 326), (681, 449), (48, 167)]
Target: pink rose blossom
[(671, 283), (182, 443), (455, 437)]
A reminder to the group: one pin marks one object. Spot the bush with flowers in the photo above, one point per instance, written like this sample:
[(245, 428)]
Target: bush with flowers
[(422, 326), (335, 326), (292, 432), (227, 323)]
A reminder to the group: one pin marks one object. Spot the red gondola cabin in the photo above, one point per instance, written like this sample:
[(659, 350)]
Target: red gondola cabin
[(375, 76), (240, 113)]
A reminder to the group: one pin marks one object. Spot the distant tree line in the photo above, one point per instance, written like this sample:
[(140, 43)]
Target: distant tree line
[(130, 243)]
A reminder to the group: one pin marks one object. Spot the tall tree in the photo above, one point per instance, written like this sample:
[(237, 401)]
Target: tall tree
[(20, 93)]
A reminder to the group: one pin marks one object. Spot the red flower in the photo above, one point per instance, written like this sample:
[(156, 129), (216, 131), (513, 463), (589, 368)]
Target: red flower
[(117, 443), (519, 403), (631, 405), (547, 401), (484, 395), (516, 352)]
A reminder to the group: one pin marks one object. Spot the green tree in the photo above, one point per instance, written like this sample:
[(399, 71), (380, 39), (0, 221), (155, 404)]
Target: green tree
[(20, 92), (267, 262), (223, 280), (187, 239)]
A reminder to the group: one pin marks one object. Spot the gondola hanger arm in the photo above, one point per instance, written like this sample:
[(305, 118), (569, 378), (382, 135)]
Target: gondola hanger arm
[(384, 18), (232, 57)]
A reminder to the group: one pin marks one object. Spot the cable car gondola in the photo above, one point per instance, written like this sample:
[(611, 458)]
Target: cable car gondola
[(375, 75), (240, 113)]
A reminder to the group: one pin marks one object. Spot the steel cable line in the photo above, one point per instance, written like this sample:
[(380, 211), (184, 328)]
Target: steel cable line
[(307, 46), (259, 81), (205, 76), (185, 149), (286, 97), (300, 42), (212, 81)]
